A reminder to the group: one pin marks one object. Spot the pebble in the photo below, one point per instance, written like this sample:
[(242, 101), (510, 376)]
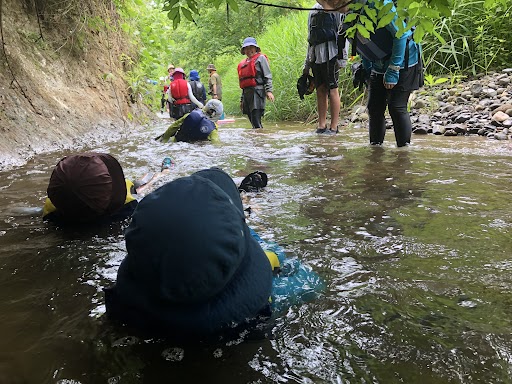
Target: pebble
[(479, 106)]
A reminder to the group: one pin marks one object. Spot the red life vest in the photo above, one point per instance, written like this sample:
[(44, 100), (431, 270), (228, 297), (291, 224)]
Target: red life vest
[(179, 92), (247, 71)]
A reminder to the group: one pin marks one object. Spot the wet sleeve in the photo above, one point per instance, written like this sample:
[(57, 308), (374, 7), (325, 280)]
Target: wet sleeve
[(173, 128), (130, 188), (214, 136), (48, 207)]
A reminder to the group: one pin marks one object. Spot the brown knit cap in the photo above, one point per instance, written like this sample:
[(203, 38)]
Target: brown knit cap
[(86, 186)]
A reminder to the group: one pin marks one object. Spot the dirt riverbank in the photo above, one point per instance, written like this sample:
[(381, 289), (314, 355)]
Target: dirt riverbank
[(61, 78)]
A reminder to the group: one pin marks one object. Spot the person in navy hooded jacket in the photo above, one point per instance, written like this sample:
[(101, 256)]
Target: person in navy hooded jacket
[(393, 65), (193, 269)]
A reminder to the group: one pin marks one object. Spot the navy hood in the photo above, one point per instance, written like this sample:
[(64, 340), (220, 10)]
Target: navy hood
[(192, 267)]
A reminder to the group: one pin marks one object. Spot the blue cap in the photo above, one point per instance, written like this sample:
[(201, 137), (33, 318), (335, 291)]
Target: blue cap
[(248, 41), (194, 75)]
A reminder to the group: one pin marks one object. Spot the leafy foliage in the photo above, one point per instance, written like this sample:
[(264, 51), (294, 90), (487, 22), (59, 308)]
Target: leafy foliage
[(420, 13), (472, 37), (286, 57), (430, 80), (148, 30), (475, 38)]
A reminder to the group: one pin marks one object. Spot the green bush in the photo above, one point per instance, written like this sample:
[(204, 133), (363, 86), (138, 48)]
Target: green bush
[(285, 44), (473, 39)]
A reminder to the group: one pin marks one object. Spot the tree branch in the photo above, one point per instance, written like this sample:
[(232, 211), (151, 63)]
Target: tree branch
[(258, 3)]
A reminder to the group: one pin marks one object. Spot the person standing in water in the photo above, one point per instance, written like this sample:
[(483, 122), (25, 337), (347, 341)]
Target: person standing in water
[(183, 100), (214, 83), (255, 80), (198, 88), (325, 51), (394, 69)]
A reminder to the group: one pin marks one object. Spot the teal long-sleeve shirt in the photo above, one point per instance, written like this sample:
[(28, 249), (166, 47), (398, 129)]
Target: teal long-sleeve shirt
[(398, 50)]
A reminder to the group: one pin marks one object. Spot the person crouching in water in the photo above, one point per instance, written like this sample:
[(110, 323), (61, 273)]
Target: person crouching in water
[(88, 188), (255, 80), (182, 97), (198, 125), (192, 270)]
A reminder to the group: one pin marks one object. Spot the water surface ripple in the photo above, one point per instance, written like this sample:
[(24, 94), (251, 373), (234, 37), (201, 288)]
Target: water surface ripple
[(413, 244)]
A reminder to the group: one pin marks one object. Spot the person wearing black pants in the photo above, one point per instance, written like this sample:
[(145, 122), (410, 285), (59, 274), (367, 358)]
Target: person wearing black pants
[(255, 118), (396, 100), (393, 65)]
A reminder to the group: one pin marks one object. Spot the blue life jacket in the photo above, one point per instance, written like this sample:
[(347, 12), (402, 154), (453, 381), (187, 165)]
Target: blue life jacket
[(323, 28), (195, 127)]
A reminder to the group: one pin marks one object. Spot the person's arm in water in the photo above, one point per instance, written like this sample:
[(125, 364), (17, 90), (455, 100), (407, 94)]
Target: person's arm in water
[(144, 184), (173, 128), (214, 136)]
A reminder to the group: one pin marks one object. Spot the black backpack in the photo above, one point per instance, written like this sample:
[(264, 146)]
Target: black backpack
[(323, 28), (253, 182), (197, 89)]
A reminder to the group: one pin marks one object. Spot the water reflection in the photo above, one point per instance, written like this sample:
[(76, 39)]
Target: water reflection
[(413, 244)]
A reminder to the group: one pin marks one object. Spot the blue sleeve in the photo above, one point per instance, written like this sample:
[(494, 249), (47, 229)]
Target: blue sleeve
[(397, 52)]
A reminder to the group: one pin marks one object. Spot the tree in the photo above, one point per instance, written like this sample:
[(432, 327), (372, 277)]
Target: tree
[(419, 13)]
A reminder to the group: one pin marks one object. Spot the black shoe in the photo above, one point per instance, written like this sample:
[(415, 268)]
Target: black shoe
[(326, 131), (253, 182)]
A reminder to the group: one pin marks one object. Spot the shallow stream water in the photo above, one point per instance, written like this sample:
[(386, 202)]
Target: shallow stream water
[(413, 244)]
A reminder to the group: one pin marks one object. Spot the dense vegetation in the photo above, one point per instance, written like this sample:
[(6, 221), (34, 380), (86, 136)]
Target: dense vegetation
[(473, 38)]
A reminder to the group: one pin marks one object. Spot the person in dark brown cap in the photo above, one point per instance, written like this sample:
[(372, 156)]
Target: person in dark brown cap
[(214, 82), (87, 188)]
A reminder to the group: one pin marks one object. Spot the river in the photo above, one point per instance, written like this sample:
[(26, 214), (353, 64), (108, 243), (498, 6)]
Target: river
[(413, 244)]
